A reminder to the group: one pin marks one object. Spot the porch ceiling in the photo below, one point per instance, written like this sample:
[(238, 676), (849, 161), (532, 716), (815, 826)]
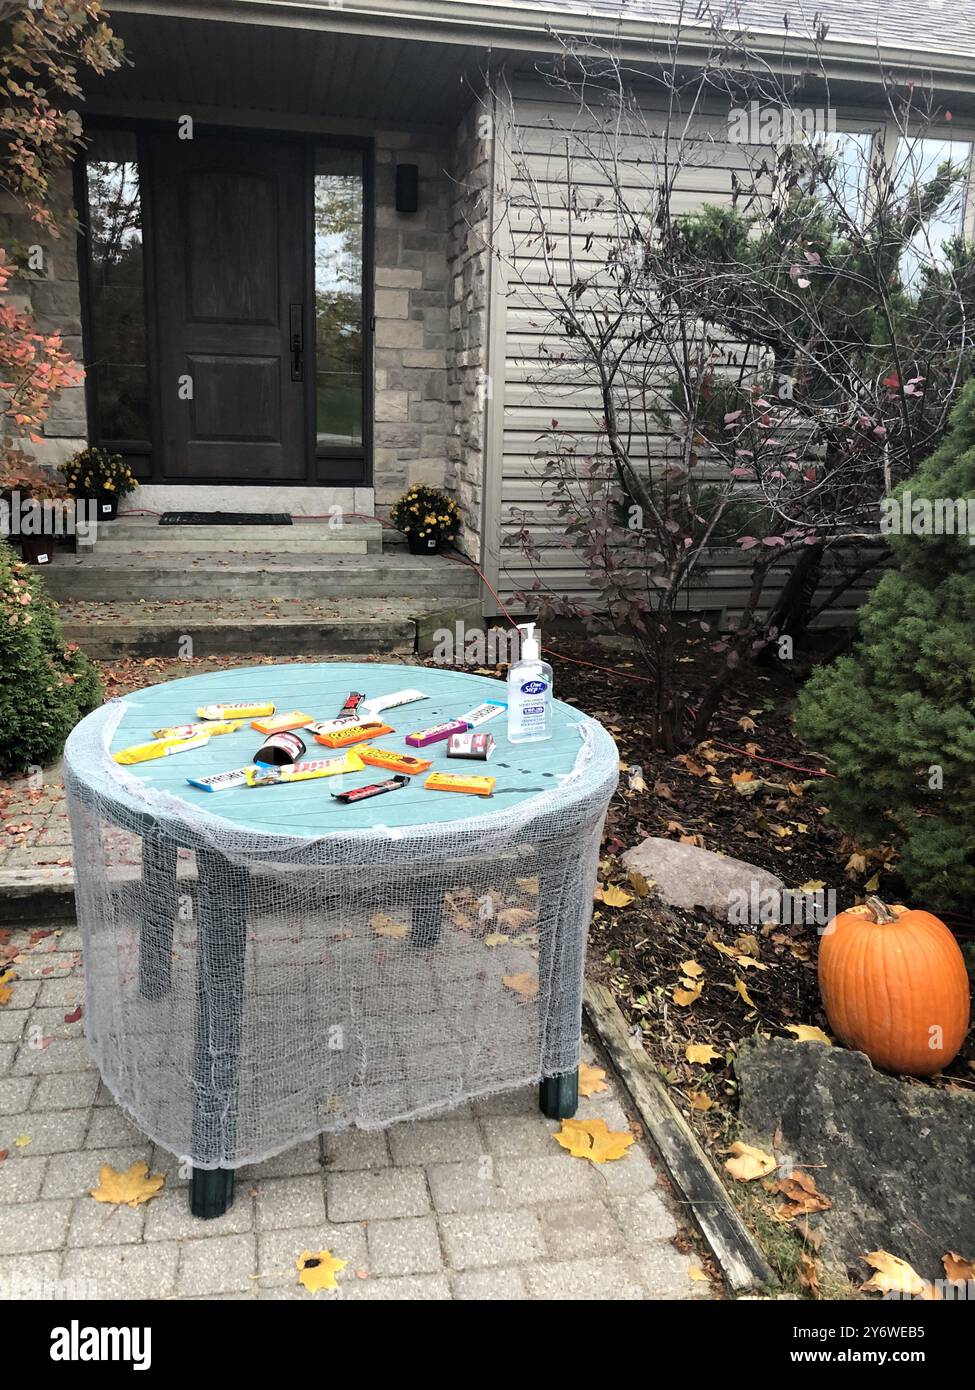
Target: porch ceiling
[(196, 64)]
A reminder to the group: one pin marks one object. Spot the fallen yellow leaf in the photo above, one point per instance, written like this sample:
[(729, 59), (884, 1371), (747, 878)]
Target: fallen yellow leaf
[(686, 997), (802, 1194), (518, 917), (691, 967), (6, 992), (701, 1052), (496, 938), (612, 896), (131, 1188), (22, 1141), (591, 1080), (700, 1100), (528, 885), (742, 989), (640, 885), (318, 1271), (814, 885), (384, 925), (748, 1163), (697, 1273), (896, 1276), (805, 1032), (737, 778), (958, 1269), (593, 1139), (524, 985)]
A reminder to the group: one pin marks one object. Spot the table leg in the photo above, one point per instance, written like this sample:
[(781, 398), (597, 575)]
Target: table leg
[(158, 917), (426, 913), (221, 930), (558, 1096), (561, 958)]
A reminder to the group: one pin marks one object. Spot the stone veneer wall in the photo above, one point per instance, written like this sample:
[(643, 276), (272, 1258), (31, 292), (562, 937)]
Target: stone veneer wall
[(411, 412), (53, 297), (468, 385)]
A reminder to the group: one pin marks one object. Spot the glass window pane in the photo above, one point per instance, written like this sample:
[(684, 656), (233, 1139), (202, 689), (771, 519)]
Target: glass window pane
[(118, 317), (338, 298), (850, 152), (916, 164)]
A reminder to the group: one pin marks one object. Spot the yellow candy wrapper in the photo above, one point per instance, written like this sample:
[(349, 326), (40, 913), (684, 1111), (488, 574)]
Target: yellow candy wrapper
[(268, 776), (159, 748), (460, 782), (240, 710), (211, 729)]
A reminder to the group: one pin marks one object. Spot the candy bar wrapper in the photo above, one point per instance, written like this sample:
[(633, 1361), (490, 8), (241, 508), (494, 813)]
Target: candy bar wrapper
[(158, 748), (282, 723), (351, 706), (436, 734), (460, 782), (304, 772), (396, 762), (475, 746), (331, 726), (400, 697), (392, 784), (223, 781), (482, 713), (241, 710), (229, 726), (354, 733)]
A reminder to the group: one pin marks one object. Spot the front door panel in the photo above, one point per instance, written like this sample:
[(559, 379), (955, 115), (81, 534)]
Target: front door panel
[(230, 232)]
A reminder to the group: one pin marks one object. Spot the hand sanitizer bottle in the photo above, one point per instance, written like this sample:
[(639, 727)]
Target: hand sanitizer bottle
[(529, 693)]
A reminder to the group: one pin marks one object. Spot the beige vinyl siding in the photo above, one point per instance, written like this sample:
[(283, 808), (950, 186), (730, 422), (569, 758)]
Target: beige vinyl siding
[(535, 394)]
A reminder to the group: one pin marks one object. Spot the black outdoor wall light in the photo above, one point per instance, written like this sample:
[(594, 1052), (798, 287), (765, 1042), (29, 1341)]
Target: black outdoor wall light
[(407, 187)]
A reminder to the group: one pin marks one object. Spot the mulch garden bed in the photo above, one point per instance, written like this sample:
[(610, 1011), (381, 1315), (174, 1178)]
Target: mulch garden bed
[(755, 979)]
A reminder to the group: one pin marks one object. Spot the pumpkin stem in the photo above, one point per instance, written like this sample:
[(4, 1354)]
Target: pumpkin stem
[(881, 912)]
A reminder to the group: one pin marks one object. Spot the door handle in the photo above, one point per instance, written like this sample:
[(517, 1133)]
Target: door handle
[(297, 331)]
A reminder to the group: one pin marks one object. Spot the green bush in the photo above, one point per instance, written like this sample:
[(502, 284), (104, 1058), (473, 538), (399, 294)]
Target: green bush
[(898, 715), (45, 685)]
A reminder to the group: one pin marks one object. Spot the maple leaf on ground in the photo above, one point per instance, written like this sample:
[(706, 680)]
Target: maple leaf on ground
[(131, 1188), (742, 989), (700, 1100), (593, 1139), (692, 968), (895, 1276), (958, 1269), (802, 1194), (611, 895), (318, 1271), (701, 1052), (805, 1032), (748, 1163), (591, 1080), (524, 984), (807, 1275), (6, 986), (686, 997)]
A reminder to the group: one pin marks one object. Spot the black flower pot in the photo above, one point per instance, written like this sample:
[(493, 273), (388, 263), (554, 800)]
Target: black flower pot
[(107, 506), (37, 550), (422, 545)]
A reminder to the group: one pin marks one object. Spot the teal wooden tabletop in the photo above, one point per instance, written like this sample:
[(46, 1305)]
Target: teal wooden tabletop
[(305, 809)]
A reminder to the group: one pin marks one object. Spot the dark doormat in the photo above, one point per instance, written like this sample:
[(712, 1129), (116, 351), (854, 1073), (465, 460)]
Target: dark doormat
[(225, 519)]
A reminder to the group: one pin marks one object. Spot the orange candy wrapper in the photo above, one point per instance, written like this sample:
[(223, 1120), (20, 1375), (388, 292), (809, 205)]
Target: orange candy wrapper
[(460, 782), (355, 733)]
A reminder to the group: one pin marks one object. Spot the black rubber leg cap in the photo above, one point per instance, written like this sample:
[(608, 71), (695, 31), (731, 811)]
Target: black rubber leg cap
[(558, 1096), (211, 1192)]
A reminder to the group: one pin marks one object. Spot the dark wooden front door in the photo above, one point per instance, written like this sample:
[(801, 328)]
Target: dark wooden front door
[(230, 231)]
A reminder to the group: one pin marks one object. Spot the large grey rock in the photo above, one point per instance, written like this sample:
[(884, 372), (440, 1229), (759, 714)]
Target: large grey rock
[(896, 1158), (688, 877)]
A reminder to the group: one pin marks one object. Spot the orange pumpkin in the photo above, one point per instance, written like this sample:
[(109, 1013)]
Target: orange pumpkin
[(895, 986)]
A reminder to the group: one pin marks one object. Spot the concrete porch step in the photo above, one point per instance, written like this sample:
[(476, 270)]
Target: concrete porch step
[(233, 579), (305, 537), (271, 627)]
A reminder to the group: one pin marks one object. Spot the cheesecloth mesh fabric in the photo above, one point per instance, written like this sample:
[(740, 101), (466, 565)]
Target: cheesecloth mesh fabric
[(247, 991)]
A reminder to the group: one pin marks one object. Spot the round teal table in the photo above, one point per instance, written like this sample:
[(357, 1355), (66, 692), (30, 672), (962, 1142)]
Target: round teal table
[(184, 898)]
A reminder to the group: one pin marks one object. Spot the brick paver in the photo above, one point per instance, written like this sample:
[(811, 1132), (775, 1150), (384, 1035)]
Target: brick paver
[(480, 1203)]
